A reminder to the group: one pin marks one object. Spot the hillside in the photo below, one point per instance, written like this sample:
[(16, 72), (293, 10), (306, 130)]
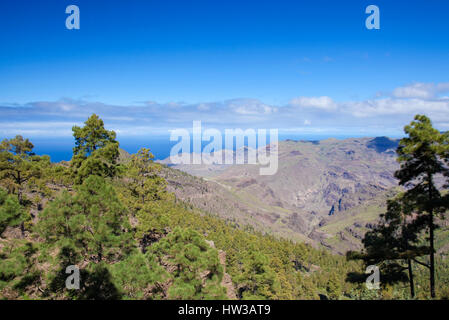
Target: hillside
[(136, 229), (111, 216), (324, 192)]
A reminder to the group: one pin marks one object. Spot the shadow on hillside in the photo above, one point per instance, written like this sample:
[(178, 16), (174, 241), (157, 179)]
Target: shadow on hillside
[(95, 280)]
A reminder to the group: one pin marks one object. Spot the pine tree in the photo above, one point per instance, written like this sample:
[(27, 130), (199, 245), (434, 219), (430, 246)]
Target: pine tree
[(11, 212), (96, 151), (393, 244), (196, 270), (19, 165), (334, 288), (420, 158), (93, 222), (140, 276), (18, 269), (444, 152), (144, 182), (257, 280)]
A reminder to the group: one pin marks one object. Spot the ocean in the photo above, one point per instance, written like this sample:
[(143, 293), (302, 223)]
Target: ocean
[(60, 148)]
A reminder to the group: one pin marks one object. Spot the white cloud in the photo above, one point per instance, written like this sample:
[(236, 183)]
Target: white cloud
[(324, 103), (203, 107), (250, 107), (35, 128), (391, 106), (380, 114), (421, 90)]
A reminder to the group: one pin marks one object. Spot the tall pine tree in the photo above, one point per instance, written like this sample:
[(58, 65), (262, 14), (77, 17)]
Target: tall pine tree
[(96, 151), (420, 156), (393, 244)]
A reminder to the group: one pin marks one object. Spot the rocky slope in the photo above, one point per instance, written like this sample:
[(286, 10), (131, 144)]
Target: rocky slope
[(324, 192)]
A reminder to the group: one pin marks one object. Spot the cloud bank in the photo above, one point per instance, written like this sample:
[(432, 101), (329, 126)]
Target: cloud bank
[(383, 115)]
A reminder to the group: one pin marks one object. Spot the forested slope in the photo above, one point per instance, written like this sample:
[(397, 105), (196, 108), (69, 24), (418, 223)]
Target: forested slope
[(110, 215)]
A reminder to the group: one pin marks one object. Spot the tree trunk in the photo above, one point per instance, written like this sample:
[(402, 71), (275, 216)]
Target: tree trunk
[(431, 239), (19, 192), (100, 253), (411, 280), (432, 257), (22, 229)]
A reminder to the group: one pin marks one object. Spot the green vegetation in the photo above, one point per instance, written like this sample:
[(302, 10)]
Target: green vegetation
[(11, 213), (111, 216), (401, 235), (96, 151)]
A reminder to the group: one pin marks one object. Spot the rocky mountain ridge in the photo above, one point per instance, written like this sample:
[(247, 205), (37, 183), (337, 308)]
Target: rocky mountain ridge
[(320, 186)]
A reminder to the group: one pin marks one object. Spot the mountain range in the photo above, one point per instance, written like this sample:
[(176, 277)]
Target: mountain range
[(327, 193)]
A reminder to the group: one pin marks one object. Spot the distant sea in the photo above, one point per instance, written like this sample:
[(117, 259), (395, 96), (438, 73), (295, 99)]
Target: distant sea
[(61, 148)]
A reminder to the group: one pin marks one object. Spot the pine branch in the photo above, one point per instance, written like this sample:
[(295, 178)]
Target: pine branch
[(421, 263)]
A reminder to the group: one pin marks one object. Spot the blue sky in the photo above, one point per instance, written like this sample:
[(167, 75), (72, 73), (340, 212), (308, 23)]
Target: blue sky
[(146, 67)]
